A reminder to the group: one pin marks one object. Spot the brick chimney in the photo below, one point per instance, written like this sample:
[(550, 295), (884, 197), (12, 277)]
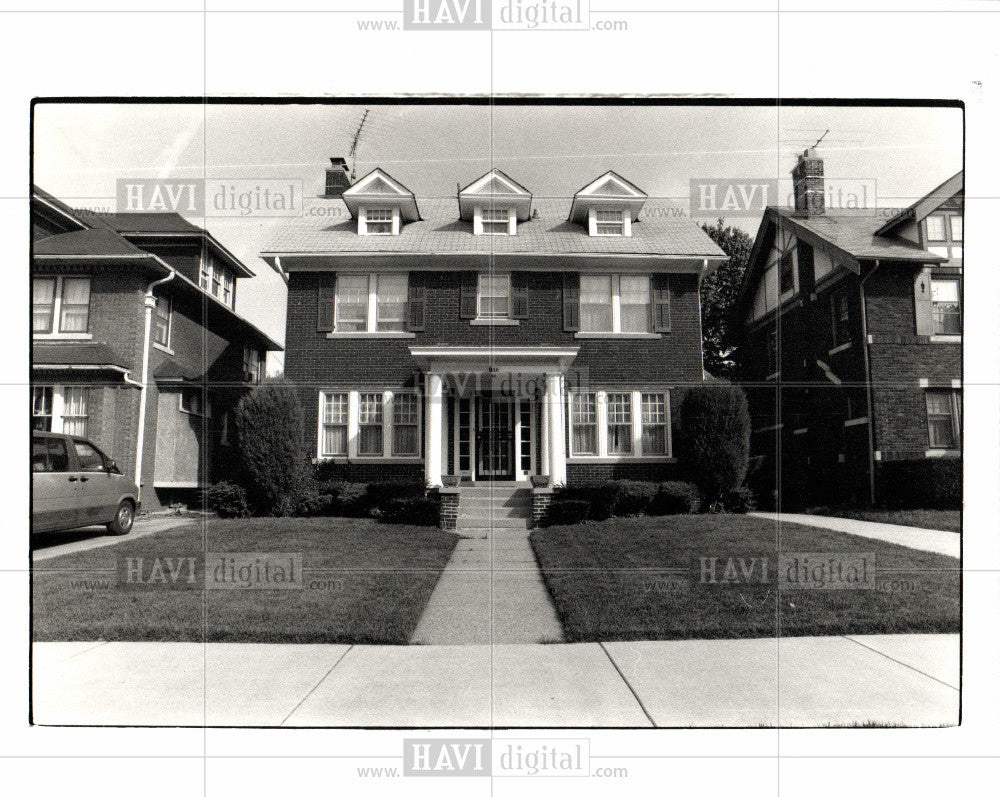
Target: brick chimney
[(807, 180), (338, 177)]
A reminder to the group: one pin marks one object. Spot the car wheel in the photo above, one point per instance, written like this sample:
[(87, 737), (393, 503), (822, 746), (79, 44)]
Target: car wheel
[(124, 518)]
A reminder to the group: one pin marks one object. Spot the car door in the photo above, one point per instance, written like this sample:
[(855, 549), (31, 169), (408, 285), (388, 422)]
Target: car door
[(96, 502), (54, 486)]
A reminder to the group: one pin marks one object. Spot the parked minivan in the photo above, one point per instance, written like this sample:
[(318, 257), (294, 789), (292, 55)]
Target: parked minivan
[(75, 484)]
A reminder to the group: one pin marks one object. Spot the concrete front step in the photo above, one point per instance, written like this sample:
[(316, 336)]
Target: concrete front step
[(494, 512), (492, 522)]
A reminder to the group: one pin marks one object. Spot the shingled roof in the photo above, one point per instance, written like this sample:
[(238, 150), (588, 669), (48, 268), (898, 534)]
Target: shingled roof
[(662, 229)]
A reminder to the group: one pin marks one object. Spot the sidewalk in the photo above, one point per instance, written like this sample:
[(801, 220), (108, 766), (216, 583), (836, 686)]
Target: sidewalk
[(947, 543), (880, 679), (491, 590)]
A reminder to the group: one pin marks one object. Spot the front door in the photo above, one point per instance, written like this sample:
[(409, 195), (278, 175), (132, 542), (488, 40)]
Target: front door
[(495, 439)]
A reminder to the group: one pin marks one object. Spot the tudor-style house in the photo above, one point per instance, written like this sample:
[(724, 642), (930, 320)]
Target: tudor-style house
[(851, 348), (136, 343), (493, 335)]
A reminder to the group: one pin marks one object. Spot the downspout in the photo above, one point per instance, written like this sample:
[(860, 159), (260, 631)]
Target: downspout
[(150, 304), (868, 385)]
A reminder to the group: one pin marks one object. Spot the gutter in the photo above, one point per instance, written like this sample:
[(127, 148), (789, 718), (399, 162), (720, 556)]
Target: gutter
[(868, 383), (150, 303)]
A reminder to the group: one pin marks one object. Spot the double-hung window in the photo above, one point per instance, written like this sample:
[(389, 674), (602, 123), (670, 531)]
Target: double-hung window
[(378, 221), (371, 303), (405, 425), (370, 424), (205, 273), (584, 419), (946, 308), (944, 418), (60, 305), (194, 402), (614, 303), (655, 420), (56, 408), (496, 221), (494, 296), (619, 423), (161, 321), (609, 222), (252, 362), (841, 309), (333, 419)]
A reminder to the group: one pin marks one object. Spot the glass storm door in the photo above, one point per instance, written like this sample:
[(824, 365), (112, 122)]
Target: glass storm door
[(495, 438)]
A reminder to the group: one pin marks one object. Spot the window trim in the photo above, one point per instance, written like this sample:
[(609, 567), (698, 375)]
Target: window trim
[(955, 416), (394, 221), (958, 291), (165, 347), (616, 308), (59, 403), (55, 327), (492, 275), (635, 404), (253, 374), (479, 222), (592, 222), (205, 408), (371, 314), (352, 453), (322, 424)]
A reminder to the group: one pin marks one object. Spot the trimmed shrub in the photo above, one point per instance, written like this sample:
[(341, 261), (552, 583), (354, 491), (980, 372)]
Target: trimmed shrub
[(228, 499), (268, 424), (934, 483), (674, 498), (567, 512), (413, 511), (715, 436), (345, 499), (631, 498)]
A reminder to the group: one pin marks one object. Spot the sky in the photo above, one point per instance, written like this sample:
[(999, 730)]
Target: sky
[(81, 150)]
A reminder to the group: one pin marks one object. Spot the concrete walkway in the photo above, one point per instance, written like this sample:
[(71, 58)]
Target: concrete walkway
[(91, 537), (800, 681), (947, 543), (491, 590)]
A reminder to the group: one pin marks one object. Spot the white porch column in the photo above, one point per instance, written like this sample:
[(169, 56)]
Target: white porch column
[(543, 402), (557, 431), (432, 430)]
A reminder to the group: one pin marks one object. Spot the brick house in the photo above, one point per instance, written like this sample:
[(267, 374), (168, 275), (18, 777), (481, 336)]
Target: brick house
[(136, 343), (851, 347), (494, 335)]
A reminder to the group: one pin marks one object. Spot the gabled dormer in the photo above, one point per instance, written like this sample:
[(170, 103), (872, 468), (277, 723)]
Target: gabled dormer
[(494, 204), (607, 206), (380, 204)]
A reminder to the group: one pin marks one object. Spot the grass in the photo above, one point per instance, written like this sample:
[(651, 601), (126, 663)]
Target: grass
[(362, 583), (640, 578), (940, 519)]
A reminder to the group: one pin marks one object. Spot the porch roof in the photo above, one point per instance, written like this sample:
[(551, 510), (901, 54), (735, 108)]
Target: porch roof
[(494, 359)]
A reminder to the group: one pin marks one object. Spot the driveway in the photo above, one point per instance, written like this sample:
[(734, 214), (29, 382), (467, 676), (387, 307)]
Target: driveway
[(50, 544), (947, 543), (800, 681)]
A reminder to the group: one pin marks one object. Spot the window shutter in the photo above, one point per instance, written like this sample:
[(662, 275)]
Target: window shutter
[(467, 298), (571, 302), (922, 302), (519, 295), (416, 303), (660, 302), (327, 298)]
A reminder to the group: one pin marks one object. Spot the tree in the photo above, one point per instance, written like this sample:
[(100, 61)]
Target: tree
[(718, 295), (268, 424), (715, 432)]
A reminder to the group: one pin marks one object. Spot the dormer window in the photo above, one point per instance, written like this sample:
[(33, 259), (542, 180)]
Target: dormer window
[(378, 221), (380, 204), (495, 221), (608, 222), (608, 206)]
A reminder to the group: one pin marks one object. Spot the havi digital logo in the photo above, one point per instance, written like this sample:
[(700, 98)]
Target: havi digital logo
[(447, 14), (442, 757)]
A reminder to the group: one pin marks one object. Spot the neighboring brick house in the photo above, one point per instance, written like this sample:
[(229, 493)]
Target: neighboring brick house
[(133, 318), (851, 349), (493, 335)]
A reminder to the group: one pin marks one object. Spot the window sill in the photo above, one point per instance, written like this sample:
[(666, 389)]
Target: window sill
[(494, 322), (773, 377), (617, 335), (164, 349), (946, 338), (360, 458), (62, 336), (856, 421), (621, 458), (840, 348), (370, 335), (943, 453)]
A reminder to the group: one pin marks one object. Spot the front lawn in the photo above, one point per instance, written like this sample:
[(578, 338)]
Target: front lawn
[(940, 519), (642, 578), (361, 582)]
